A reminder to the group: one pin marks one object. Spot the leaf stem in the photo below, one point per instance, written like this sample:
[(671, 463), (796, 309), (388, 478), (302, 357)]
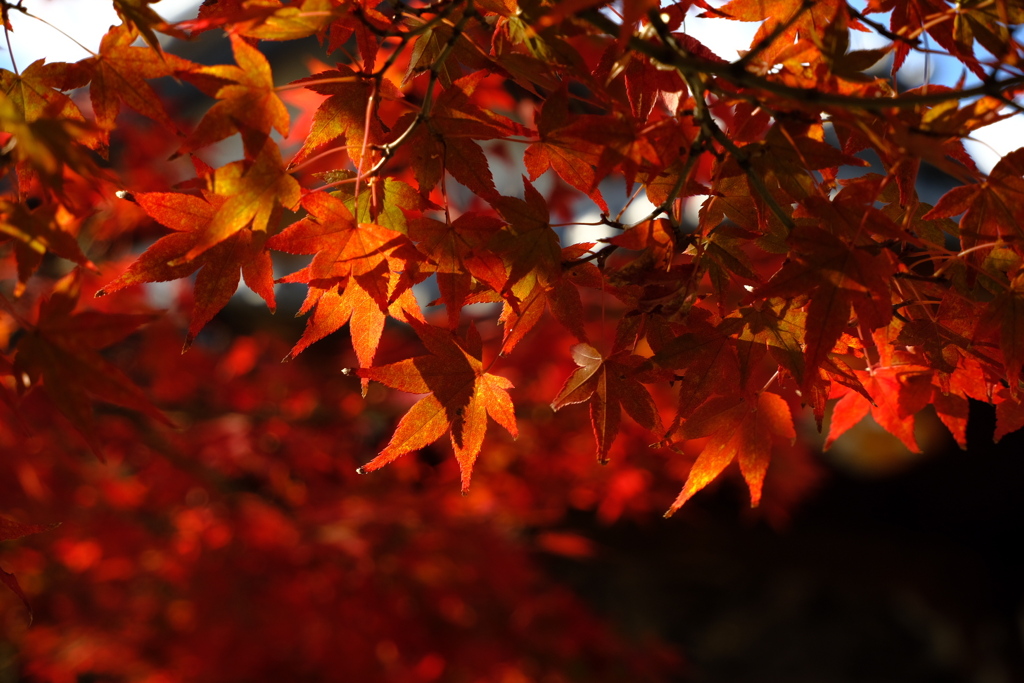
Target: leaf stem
[(7, 37), (55, 28)]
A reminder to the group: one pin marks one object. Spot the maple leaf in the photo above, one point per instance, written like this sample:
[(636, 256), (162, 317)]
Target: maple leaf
[(794, 16), (460, 255), (46, 229), (789, 153), (737, 427), (656, 236), (341, 246), (167, 259), (248, 104), (229, 12), (142, 19), (609, 385), (899, 389), (632, 12), (253, 194), (530, 246), (344, 113), (1004, 316), (837, 278), (60, 355), (532, 255), (912, 17), (352, 301), (1009, 414), (431, 51), (894, 408), (444, 143), (365, 258), (774, 326), (284, 22), (461, 396), (706, 359), (119, 73), (992, 210), (47, 146), (36, 94), (572, 158)]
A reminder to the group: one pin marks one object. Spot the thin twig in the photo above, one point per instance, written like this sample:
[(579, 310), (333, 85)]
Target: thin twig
[(702, 113), (664, 54)]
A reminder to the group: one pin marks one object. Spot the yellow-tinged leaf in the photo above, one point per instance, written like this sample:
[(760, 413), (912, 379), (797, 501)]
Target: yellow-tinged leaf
[(248, 104), (294, 22), (251, 196)]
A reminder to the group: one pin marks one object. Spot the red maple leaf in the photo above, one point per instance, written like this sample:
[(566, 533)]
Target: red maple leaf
[(609, 385), (60, 355)]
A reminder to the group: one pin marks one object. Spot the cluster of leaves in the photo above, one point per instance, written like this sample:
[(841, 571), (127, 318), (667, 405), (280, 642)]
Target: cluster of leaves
[(243, 546), (811, 282)]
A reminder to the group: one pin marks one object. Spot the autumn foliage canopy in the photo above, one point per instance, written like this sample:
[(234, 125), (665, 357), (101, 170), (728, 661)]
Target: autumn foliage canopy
[(761, 268)]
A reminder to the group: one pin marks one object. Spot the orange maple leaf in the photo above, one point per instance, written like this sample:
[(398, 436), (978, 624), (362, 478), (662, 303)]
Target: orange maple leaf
[(248, 104), (167, 259), (572, 158), (838, 278), (461, 396), (356, 274), (738, 427), (140, 16), (250, 193), (993, 210), (119, 74), (444, 142), (533, 257), (36, 93)]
